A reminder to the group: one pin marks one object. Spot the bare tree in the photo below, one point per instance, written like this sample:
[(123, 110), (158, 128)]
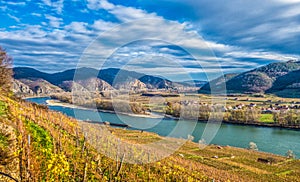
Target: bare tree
[(5, 71)]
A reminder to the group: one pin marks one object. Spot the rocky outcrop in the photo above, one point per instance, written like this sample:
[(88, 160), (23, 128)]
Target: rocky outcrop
[(91, 84), (21, 89), (95, 84), (38, 87), (41, 87), (131, 84)]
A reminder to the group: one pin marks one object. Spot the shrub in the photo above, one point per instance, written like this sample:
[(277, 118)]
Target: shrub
[(290, 154), (253, 146)]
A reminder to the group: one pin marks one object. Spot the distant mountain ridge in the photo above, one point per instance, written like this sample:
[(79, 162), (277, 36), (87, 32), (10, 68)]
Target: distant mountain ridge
[(89, 79), (281, 78), (218, 83), (272, 78), (193, 83)]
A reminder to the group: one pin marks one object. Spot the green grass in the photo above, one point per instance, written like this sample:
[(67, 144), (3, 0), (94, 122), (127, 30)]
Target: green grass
[(284, 173), (266, 118), (2, 108), (3, 140), (41, 137)]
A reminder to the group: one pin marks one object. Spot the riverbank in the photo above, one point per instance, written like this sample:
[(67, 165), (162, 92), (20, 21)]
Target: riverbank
[(34, 96), (52, 102), (261, 124), (268, 139)]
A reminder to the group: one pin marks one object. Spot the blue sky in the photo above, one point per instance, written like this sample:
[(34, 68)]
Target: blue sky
[(171, 38)]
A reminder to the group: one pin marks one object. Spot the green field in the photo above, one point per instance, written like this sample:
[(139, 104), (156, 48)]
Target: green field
[(266, 118)]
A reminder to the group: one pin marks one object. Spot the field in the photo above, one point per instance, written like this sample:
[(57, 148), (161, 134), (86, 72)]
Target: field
[(266, 118)]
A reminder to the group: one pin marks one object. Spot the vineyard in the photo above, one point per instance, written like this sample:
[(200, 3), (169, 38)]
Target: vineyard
[(37, 144)]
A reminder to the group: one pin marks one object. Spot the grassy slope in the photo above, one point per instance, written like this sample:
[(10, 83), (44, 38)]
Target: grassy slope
[(57, 151)]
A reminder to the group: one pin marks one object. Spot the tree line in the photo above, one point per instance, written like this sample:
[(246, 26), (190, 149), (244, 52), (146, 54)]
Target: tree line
[(287, 118), (206, 112)]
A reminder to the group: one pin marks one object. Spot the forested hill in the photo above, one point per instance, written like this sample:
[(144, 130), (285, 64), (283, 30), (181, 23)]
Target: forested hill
[(271, 78)]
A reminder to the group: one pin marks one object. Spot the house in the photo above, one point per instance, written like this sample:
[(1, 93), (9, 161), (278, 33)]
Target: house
[(267, 112)]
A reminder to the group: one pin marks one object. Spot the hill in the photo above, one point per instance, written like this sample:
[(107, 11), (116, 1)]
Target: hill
[(253, 82), (197, 83), (21, 89), (54, 78), (111, 77), (266, 79), (217, 84), (292, 79), (117, 77), (41, 87), (275, 70), (287, 85), (90, 84)]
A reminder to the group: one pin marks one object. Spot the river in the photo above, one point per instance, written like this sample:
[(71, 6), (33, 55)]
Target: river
[(273, 140)]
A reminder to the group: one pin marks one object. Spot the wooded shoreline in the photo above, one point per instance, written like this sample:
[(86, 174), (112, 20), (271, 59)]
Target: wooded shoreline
[(166, 116)]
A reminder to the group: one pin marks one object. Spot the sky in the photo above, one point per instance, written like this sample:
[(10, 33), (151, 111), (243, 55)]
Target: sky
[(176, 39)]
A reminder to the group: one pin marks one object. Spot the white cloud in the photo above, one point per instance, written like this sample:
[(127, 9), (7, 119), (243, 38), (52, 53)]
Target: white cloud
[(99, 4), (291, 12), (161, 32), (3, 8), (123, 13), (13, 17), (47, 2), (126, 14), (261, 55), (77, 27), (61, 45), (287, 32), (288, 1), (101, 25), (15, 3), (84, 11), (36, 14), (57, 5), (54, 21)]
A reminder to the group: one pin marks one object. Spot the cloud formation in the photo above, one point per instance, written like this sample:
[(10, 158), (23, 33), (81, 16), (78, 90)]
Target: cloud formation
[(239, 35)]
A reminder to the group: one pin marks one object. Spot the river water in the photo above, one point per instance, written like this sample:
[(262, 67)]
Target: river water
[(273, 140)]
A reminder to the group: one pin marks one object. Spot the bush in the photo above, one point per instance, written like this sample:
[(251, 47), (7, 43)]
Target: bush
[(290, 154), (253, 146)]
